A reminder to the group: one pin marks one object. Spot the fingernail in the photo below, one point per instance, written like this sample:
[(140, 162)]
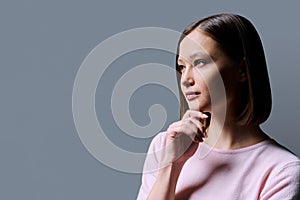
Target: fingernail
[(204, 115)]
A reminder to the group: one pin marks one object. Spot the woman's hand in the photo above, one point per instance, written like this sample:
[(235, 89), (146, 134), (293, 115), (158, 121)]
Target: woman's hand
[(183, 137), (182, 141)]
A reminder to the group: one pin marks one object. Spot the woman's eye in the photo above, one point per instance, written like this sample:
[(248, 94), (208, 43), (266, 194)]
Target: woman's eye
[(199, 62), (180, 68)]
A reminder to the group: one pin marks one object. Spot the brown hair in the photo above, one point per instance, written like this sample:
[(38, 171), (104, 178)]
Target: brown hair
[(238, 38)]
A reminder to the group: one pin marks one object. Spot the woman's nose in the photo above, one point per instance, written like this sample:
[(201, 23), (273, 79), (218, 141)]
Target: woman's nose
[(187, 77)]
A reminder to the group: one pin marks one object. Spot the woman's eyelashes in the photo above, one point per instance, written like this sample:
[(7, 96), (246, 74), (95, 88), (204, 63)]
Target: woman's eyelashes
[(180, 68), (197, 63)]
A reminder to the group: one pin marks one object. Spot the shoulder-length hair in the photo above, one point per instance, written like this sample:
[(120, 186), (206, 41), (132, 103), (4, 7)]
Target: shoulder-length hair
[(238, 38)]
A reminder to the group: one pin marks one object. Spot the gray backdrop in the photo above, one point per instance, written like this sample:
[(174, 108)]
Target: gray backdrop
[(43, 44)]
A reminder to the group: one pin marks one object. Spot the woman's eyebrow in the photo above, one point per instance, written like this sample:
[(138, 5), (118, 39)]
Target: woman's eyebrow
[(195, 55), (198, 54), (201, 54), (179, 60)]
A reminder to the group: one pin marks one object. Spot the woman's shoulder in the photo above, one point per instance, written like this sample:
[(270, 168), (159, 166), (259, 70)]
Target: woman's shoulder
[(281, 152), (279, 155), (282, 175)]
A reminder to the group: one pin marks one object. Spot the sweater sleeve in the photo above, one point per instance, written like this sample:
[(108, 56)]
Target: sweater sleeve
[(151, 166), (284, 185)]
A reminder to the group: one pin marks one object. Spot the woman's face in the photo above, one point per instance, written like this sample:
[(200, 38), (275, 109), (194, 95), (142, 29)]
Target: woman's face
[(201, 62)]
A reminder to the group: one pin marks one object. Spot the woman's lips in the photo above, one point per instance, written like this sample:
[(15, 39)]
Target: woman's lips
[(192, 95)]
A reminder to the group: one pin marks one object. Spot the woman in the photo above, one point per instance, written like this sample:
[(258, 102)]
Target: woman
[(240, 161)]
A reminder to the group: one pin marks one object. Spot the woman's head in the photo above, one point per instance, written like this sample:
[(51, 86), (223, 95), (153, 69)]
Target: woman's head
[(236, 38)]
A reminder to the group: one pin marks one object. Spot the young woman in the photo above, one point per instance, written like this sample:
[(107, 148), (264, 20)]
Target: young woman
[(217, 149)]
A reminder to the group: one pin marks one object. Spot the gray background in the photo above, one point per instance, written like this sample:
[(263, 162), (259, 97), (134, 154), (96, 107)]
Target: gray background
[(42, 45)]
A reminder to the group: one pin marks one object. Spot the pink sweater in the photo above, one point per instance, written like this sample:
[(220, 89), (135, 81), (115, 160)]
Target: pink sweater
[(261, 171)]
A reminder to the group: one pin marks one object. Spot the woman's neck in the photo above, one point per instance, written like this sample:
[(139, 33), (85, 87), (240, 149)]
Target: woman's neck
[(232, 135)]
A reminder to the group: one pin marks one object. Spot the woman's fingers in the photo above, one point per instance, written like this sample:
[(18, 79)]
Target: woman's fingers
[(194, 113), (203, 117), (191, 127), (197, 127), (183, 136)]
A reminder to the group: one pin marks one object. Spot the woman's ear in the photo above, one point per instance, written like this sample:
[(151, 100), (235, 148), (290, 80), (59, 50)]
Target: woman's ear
[(242, 71)]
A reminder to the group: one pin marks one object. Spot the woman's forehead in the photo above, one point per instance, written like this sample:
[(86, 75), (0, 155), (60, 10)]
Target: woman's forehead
[(196, 44)]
